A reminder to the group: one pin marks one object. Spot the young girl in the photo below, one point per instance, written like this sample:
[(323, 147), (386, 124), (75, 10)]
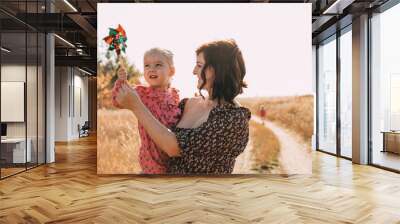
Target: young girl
[(160, 99)]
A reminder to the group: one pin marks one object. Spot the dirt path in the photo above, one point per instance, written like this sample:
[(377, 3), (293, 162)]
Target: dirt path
[(294, 155), (244, 162)]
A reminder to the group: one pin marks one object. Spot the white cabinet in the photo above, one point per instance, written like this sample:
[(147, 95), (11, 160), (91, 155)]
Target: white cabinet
[(17, 146)]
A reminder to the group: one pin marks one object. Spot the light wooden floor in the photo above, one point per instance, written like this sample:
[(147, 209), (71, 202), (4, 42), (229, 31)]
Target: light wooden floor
[(9, 171), (387, 159), (69, 191), (5, 172)]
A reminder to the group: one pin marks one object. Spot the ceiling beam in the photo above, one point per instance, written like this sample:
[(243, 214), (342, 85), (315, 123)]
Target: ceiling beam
[(320, 22), (337, 6), (90, 31), (82, 61)]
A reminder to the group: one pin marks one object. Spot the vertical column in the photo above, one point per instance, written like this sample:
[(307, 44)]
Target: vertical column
[(50, 92), (360, 90)]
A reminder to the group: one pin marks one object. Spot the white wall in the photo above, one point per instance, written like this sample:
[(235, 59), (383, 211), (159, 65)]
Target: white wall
[(69, 85), (33, 127), (81, 88), (16, 73), (61, 103)]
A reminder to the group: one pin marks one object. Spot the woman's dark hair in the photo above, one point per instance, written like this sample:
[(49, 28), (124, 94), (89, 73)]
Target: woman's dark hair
[(226, 59)]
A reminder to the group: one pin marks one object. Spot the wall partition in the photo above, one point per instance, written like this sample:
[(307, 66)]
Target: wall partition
[(22, 77), (14, 147)]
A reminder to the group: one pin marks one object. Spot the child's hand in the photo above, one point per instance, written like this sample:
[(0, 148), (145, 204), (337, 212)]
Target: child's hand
[(122, 75), (126, 97), (122, 79), (118, 84)]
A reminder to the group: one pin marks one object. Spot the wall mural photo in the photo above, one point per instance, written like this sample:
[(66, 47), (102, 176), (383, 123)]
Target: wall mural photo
[(183, 90)]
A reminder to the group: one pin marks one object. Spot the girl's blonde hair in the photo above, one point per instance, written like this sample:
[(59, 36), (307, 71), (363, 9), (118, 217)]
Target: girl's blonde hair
[(161, 51)]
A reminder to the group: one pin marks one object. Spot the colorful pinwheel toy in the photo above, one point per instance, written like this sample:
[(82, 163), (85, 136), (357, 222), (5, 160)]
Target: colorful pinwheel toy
[(116, 39)]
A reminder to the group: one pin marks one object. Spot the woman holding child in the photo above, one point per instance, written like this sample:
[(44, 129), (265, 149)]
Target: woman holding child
[(210, 132)]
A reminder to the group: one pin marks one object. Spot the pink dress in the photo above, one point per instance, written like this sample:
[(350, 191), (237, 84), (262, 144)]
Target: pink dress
[(164, 105)]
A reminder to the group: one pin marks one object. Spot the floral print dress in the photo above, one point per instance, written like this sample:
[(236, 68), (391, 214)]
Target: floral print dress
[(212, 147)]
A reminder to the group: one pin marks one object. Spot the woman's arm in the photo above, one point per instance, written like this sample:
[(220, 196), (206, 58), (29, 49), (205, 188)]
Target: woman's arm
[(161, 135)]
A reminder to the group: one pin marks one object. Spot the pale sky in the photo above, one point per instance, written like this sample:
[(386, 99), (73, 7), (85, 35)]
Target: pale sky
[(275, 40)]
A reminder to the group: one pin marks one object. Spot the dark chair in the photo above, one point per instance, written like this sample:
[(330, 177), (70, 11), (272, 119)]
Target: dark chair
[(84, 130)]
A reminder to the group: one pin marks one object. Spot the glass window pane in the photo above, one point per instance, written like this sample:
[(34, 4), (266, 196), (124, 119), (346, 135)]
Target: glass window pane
[(13, 85), (386, 88), (327, 96), (346, 94), (22, 86)]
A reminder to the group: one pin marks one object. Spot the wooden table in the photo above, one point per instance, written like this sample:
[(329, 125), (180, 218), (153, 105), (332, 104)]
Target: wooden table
[(391, 141)]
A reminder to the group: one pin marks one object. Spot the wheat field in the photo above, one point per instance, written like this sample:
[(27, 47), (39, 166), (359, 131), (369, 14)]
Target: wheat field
[(295, 113), (118, 142)]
